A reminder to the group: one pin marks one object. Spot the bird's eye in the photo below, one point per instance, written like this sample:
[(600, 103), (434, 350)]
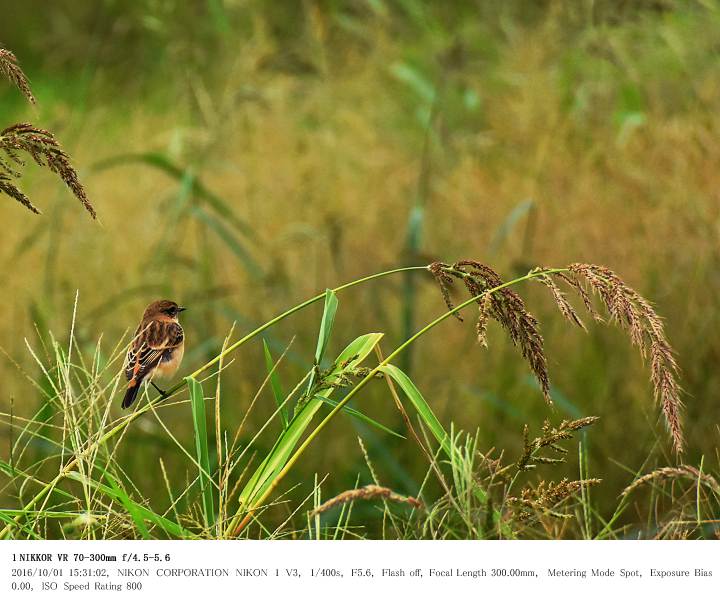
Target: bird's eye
[(172, 311)]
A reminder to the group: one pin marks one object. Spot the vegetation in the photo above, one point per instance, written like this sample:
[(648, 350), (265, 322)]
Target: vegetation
[(267, 153), (39, 144)]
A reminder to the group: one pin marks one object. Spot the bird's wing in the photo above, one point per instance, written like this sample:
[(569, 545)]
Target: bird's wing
[(134, 350), (151, 342)]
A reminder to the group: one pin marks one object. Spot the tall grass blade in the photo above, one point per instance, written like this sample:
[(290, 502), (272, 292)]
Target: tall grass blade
[(413, 244), (232, 242), (119, 493), (326, 324), (502, 233), (275, 384), (585, 491), (421, 406), (197, 403)]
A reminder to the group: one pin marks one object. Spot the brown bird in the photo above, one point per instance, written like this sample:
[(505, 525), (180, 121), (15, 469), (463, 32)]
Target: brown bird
[(156, 349)]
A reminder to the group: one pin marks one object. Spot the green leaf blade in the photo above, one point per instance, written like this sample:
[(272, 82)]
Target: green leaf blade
[(197, 403), (421, 406), (275, 384), (326, 324)]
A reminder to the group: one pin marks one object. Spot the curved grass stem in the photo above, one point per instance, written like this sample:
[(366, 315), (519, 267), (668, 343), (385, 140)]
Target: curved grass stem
[(237, 527)]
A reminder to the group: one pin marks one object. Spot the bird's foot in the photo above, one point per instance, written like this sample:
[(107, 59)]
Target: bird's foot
[(162, 392)]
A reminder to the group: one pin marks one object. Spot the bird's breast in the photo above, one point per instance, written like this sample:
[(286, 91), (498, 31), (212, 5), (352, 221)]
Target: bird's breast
[(170, 362)]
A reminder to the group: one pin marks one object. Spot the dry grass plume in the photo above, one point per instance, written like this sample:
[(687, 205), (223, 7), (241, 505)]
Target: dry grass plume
[(368, 492), (625, 306), (671, 473), (39, 144), (11, 70)]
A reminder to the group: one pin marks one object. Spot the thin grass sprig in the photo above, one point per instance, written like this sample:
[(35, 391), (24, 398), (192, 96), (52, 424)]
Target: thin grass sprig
[(551, 437)]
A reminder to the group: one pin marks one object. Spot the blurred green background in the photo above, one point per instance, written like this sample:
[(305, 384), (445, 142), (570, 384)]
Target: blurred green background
[(344, 138)]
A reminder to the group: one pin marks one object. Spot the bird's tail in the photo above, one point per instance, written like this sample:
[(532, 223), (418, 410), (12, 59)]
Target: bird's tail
[(131, 393)]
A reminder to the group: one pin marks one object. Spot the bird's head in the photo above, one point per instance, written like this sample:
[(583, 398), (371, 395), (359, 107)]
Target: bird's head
[(164, 309)]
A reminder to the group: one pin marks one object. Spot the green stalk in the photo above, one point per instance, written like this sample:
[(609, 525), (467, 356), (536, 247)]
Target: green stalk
[(361, 384), (142, 410), (282, 316)]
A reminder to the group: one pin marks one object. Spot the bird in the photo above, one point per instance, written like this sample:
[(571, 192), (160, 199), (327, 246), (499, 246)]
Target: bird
[(156, 349)]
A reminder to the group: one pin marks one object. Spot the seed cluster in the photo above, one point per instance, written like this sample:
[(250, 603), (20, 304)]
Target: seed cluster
[(671, 473), (11, 70), (502, 305), (40, 144), (45, 150), (550, 438), (625, 306), (365, 493), (545, 497), (638, 318)]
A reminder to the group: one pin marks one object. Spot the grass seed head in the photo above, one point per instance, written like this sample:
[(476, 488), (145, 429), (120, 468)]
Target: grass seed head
[(444, 281), (368, 492), (638, 318), (671, 473), (45, 150), (7, 187), (549, 439), (563, 305), (545, 497), (503, 305), (11, 70)]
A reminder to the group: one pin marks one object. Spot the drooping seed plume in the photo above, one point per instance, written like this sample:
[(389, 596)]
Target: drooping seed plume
[(563, 305), (40, 144), (7, 187), (671, 473), (444, 281), (11, 70), (503, 305), (625, 306), (45, 150), (638, 318), (365, 493)]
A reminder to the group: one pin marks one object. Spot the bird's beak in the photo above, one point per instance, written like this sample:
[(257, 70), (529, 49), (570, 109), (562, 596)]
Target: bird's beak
[(181, 308)]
